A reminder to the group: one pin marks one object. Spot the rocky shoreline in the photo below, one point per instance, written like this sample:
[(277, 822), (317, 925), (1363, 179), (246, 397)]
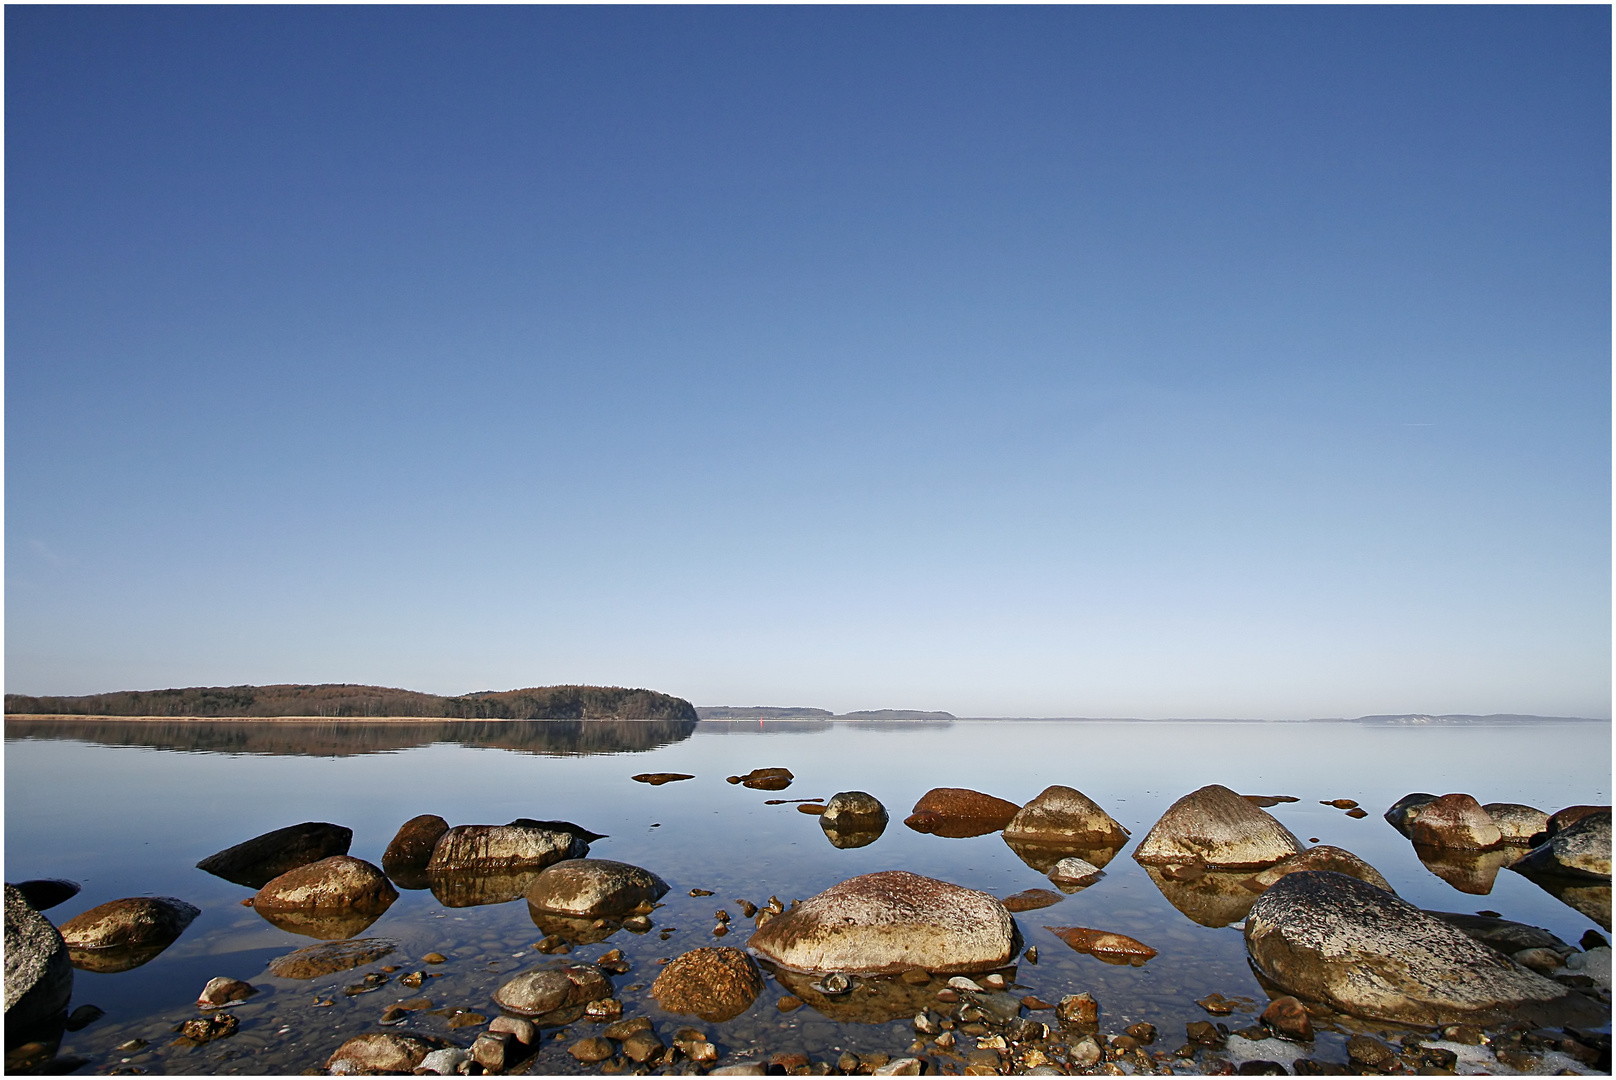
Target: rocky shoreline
[(1359, 980)]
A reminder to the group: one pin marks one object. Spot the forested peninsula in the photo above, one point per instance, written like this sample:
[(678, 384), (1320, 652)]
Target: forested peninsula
[(349, 701)]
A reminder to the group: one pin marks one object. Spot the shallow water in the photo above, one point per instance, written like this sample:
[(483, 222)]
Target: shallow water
[(134, 818)]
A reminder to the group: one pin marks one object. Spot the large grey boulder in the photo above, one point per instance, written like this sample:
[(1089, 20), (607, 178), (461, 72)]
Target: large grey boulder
[(1218, 828), (889, 922), (254, 862), (1581, 850), (593, 887), (1062, 814), (497, 847), (39, 975), (1327, 937)]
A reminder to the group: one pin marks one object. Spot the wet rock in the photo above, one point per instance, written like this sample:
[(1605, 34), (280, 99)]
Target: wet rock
[(83, 1016), (495, 1052), (1518, 823), (591, 1049), (854, 811), (1402, 813), (136, 921), (1466, 869), (1085, 1053), (479, 888), (644, 1047), (1269, 800), (716, 983), (503, 847), (1569, 816), (657, 779), (904, 1066), (1327, 937), (765, 779), (960, 812), (593, 887), (1288, 1017), (39, 974), (336, 884), (1104, 945), (42, 894), (1217, 827), (382, 1052), (1074, 873), (888, 922), (1580, 850), (1455, 821), (1032, 900), (218, 1026), (1219, 898), (1061, 814), (411, 848), (1369, 1053), (222, 991), (550, 990), (1340, 804), (318, 960), (254, 863), (1323, 857)]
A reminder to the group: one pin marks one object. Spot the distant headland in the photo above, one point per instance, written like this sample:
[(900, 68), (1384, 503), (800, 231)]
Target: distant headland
[(794, 712), (346, 701)]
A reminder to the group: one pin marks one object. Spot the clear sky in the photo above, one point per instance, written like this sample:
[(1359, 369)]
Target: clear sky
[(1033, 361)]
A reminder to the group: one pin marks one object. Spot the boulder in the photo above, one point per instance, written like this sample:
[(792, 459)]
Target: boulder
[(1032, 900), (1507, 937), (552, 989), (1064, 815), (382, 1052), (255, 862), (1322, 857), (889, 922), (960, 812), (1328, 937), (716, 984), (138, 920), (1217, 827), (774, 779), (593, 887), (339, 883), (499, 847), (1561, 819), (1517, 823), (1402, 813), (1455, 821), (43, 894), (39, 975), (1580, 850), (854, 811), (317, 960), (411, 847)]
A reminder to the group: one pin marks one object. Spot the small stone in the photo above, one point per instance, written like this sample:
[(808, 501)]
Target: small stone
[(1031, 955), (948, 996), (467, 1019), (131, 1046), (960, 982), (1464, 1034), (394, 1015), (658, 779), (434, 958), (1078, 1009), (1340, 804), (1544, 961), (591, 1049), (1370, 1053), (1203, 1032), (644, 1047), (994, 982), (1288, 1017), (221, 991), (494, 1051), (1355, 812), (218, 1026), (524, 1031), (748, 909), (1084, 1053), (1035, 1004), (1216, 1004), (904, 1066), (701, 892), (624, 1028), (445, 1062), (1144, 1033)]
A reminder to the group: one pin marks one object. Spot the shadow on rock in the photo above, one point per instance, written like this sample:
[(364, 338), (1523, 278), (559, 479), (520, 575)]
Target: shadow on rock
[(1213, 898)]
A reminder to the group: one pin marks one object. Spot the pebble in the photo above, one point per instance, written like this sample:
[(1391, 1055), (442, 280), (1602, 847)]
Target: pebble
[(593, 1048), (434, 958), (960, 982), (701, 892)]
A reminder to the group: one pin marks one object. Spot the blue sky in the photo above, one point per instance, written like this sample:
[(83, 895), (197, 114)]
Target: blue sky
[(1010, 361)]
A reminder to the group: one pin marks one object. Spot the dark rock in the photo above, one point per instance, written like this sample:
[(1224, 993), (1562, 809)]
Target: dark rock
[(767, 779), (1562, 819), (1507, 937), (411, 847), (208, 1028), (336, 884), (593, 887), (1104, 945), (960, 812), (1323, 857), (1217, 827), (657, 779), (592, 1049), (550, 990), (1455, 821), (714, 983), (121, 935), (1365, 1052), (1065, 815), (1517, 823), (39, 974), (889, 922), (1327, 937), (43, 894), (318, 960), (383, 1052), (255, 862), (644, 1047), (1402, 813), (1580, 850), (503, 847), (1078, 1009)]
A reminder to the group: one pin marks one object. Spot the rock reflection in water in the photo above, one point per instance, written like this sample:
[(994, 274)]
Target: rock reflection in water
[(114, 960), (874, 999), (465, 888), (1042, 857), (325, 925), (574, 929), (850, 838), (1590, 899), (1468, 871), (1215, 898)]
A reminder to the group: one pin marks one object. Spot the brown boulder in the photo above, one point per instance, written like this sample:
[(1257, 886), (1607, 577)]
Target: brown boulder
[(960, 812), (340, 883), (716, 984), (1516, 822), (503, 847), (411, 848), (593, 887), (1062, 814), (132, 923), (1217, 827), (1104, 945), (1455, 821)]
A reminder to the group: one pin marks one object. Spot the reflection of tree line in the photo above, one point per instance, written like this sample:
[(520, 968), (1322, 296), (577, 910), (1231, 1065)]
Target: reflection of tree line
[(337, 739)]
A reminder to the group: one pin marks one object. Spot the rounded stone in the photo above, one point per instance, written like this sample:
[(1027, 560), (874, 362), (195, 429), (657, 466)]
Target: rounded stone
[(960, 812), (1322, 857), (222, 990), (1075, 872), (592, 1048), (255, 862), (412, 846), (854, 811), (1065, 815), (535, 993), (135, 922), (493, 847), (39, 975), (1327, 937), (1401, 814), (1219, 828), (338, 883), (382, 1052), (593, 887), (889, 922), (1455, 821), (716, 984), (1517, 823)]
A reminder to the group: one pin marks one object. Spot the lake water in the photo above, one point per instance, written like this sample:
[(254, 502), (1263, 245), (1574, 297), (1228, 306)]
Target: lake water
[(128, 809)]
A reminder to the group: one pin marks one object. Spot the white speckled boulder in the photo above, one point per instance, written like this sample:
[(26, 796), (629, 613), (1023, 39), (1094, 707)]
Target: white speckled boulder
[(889, 922), (1219, 828), (338, 883)]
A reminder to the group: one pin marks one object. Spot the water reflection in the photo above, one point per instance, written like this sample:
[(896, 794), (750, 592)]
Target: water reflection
[(1042, 857), (1590, 898), (852, 838), (551, 738), (122, 958), (479, 888), (1215, 898), (324, 925), (1471, 872)]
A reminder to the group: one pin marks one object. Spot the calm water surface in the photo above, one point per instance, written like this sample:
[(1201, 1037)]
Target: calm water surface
[(134, 818)]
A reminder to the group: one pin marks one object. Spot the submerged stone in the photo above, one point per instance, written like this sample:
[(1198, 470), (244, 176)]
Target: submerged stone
[(715, 984), (317, 960)]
